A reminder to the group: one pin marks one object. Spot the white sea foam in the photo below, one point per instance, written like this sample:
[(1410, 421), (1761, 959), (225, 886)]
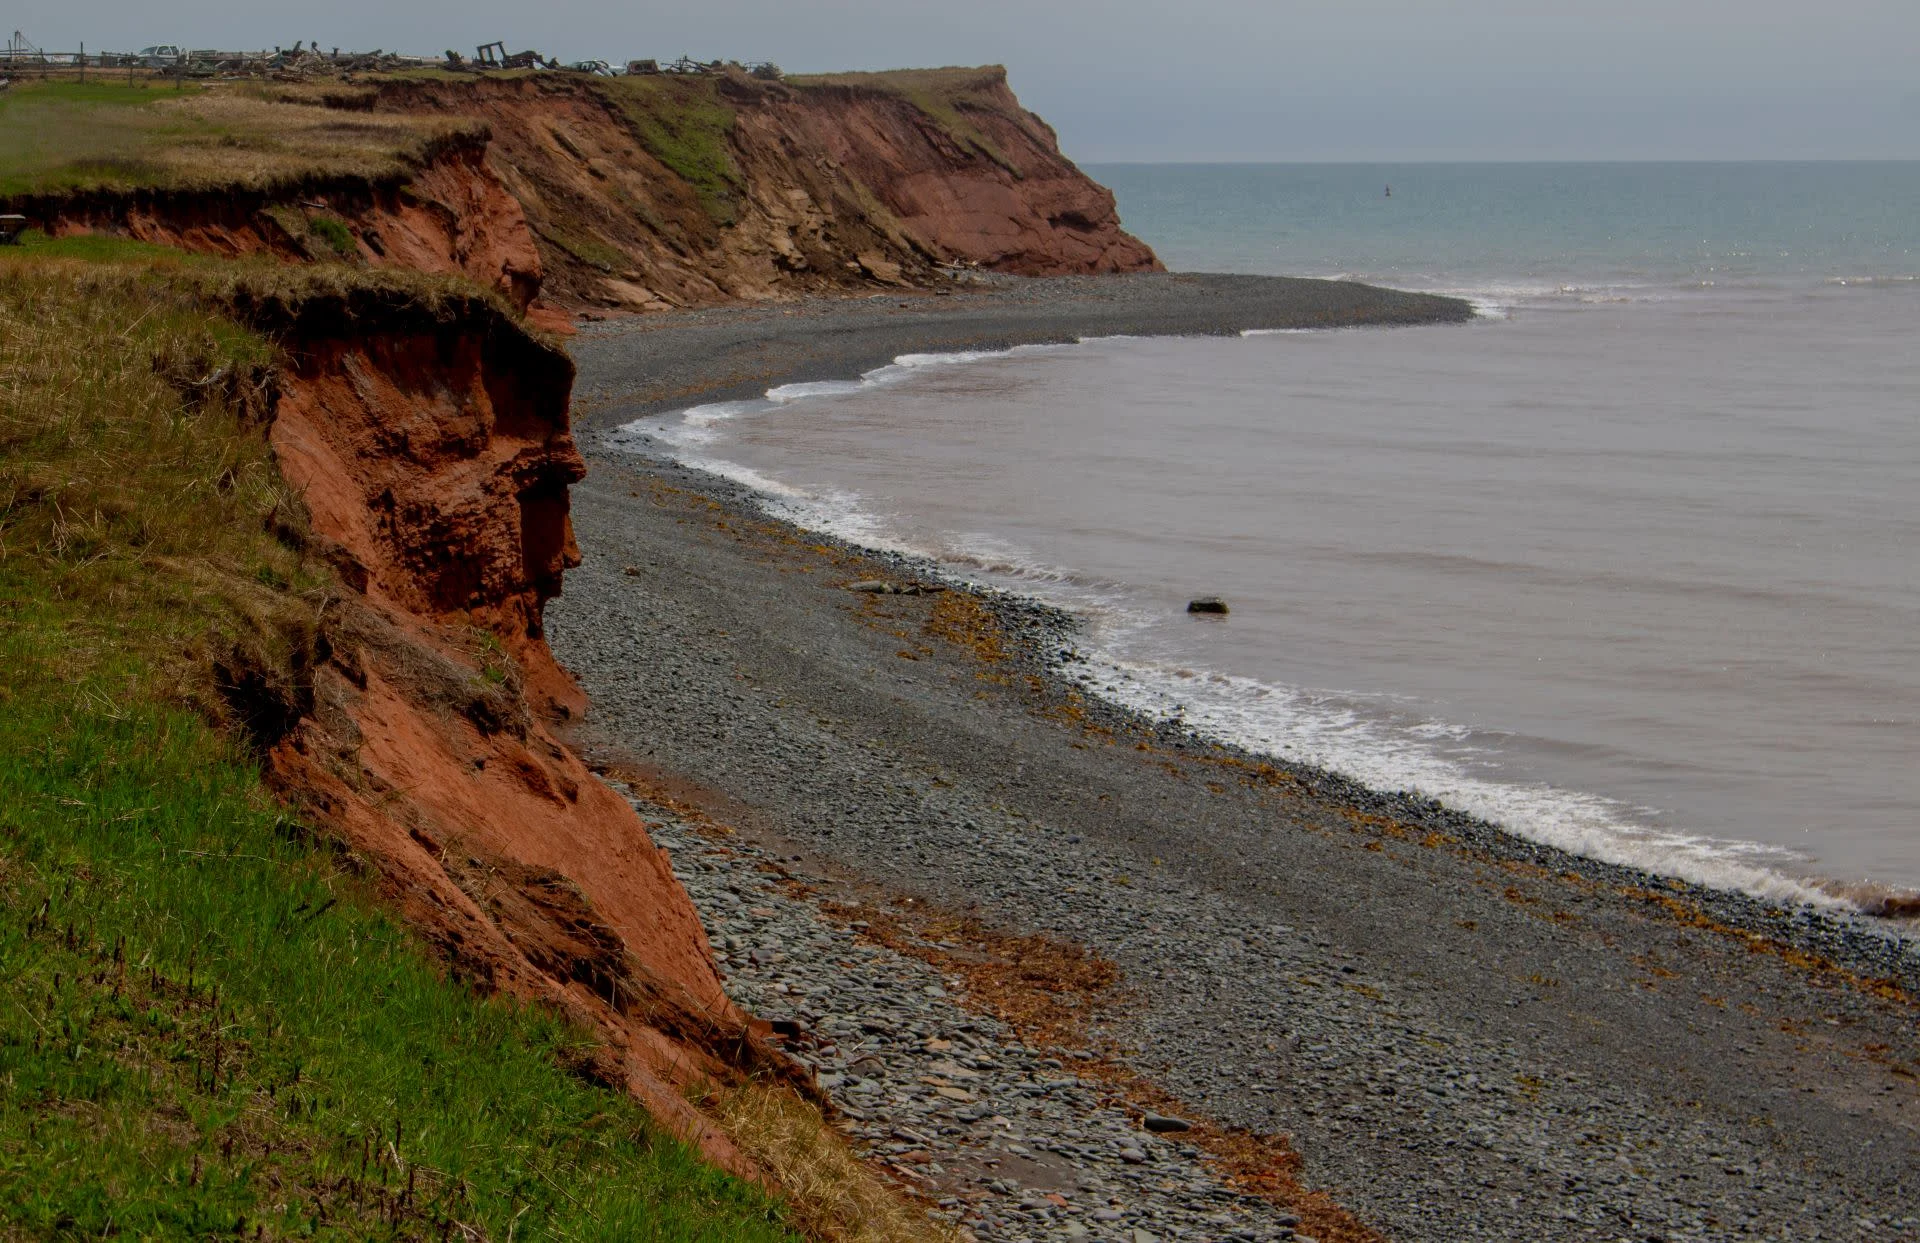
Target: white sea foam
[(1895, 279), (1334, 731), (818, 388), (698, 426), (1368, 738)]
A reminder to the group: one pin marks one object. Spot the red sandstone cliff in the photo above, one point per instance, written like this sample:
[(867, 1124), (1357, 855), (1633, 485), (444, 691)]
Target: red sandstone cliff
[(654, 192), (430, 443), (426, 428), (451, 216)]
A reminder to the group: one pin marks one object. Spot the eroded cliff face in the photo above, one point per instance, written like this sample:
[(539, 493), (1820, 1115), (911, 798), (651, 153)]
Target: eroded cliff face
[(989, 187), (450, 217), (434, 456), (426, 429), (655, 192)]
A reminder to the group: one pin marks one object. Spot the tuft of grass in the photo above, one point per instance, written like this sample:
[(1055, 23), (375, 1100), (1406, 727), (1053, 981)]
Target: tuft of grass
[(686, 125), (335, 233), (587, 248), (207, 1025), (63, 136), (835, 1196)]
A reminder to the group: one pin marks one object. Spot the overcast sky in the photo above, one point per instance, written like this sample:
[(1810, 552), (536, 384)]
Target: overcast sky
[(1385, 80)]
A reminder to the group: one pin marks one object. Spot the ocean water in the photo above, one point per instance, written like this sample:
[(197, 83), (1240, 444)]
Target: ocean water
[(1630, 564)]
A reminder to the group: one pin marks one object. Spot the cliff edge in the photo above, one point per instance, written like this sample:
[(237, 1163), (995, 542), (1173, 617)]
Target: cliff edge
[(658, 191), (398, 269)]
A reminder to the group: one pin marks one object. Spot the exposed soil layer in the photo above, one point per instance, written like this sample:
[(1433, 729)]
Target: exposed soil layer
[(653, 193), (434, 457), (1466, 1035), (452, 216)]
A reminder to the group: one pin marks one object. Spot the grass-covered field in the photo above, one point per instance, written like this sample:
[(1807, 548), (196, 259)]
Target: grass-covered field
[(207, 1026), (62, 135)]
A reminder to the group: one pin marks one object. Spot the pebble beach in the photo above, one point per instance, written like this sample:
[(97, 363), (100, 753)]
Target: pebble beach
[(1457, 1034)]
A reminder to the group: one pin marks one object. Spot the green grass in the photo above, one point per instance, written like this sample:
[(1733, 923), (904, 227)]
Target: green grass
[(588, 249), (335, 233), (687, 126), (207, 1025), (948, 97), (95, 248), (58, 136)]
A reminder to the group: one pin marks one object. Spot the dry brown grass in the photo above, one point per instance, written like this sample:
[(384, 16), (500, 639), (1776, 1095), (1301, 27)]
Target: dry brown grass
[(833, 1195), (64, 137), (134, 475)]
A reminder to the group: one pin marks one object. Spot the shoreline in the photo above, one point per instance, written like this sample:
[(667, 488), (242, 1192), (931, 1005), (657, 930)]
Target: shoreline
[(1841, 931), (726, 656), (635, 366), (1037, 632)]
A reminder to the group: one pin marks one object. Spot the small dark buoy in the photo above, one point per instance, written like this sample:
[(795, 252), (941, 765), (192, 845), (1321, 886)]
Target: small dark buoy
[(1207, 604)]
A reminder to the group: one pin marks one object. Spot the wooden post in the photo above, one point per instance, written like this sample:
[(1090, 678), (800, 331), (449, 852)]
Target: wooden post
[(83, 62)]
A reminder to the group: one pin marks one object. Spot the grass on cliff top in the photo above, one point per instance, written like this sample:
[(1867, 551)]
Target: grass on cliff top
[(66, 136), (945, 96), (207, 1027), (687, 125), (261, 288)]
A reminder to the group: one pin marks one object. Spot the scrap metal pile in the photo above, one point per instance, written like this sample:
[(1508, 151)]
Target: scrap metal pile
[(306, 59)]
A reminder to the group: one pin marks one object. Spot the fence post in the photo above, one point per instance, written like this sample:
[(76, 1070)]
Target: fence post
[(83, 62)]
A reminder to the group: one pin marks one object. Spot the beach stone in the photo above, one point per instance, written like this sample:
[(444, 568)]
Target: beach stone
[(1161, 1124), (1223, 1009), (871, 586), (1207, 604)]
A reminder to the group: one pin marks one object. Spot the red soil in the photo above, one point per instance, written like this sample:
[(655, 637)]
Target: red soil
[(434, 456), (435, 463)]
